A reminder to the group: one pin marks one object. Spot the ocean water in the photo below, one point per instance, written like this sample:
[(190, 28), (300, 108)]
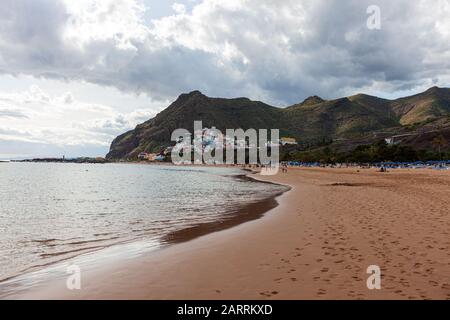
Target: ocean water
[(52, 212)]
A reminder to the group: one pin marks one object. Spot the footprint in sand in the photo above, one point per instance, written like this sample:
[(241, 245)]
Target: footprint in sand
[(268, 293), (292, 270), (433, 283), (446, 286), (321, 292)]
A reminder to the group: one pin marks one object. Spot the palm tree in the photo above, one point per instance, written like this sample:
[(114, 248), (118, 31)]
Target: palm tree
[(439, 143)]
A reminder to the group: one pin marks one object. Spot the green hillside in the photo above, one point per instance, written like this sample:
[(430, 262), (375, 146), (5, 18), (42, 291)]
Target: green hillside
[(347, 119)]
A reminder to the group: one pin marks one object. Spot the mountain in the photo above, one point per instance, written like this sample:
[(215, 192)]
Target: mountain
[(312, 101), (353, 118), (155, 133), (427, 106)]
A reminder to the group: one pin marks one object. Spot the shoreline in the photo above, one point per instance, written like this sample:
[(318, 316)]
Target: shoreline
[(316, 244), (237, 215)]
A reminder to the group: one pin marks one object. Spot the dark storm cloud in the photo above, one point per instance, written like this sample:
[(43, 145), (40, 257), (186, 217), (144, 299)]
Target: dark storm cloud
[(278, 51)]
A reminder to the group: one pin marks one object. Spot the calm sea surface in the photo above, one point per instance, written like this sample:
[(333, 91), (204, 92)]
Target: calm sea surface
[(51, 212)]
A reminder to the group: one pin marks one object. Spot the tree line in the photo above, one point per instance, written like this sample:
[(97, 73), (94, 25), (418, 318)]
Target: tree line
[(371, 153)]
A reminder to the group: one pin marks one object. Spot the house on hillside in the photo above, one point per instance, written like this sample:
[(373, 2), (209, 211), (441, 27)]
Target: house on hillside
[(398, 138), (390, 141), (167, 151), (143, 156), (289, 141)]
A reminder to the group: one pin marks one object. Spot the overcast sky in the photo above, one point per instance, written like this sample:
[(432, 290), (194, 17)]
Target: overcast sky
[(74, 74)]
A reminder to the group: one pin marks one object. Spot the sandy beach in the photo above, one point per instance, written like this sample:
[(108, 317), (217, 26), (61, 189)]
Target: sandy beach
[(316, 244)]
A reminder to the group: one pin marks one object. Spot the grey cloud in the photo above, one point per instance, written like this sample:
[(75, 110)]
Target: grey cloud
[(293, 49), (12, 113), (117, 124), (31, 35), (14, 132)]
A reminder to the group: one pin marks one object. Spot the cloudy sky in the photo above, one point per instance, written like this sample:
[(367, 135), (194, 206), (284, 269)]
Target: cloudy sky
[(74, 74)]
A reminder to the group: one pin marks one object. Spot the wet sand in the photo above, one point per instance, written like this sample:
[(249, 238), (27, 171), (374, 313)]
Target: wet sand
[(242, 213), (317, 244)]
